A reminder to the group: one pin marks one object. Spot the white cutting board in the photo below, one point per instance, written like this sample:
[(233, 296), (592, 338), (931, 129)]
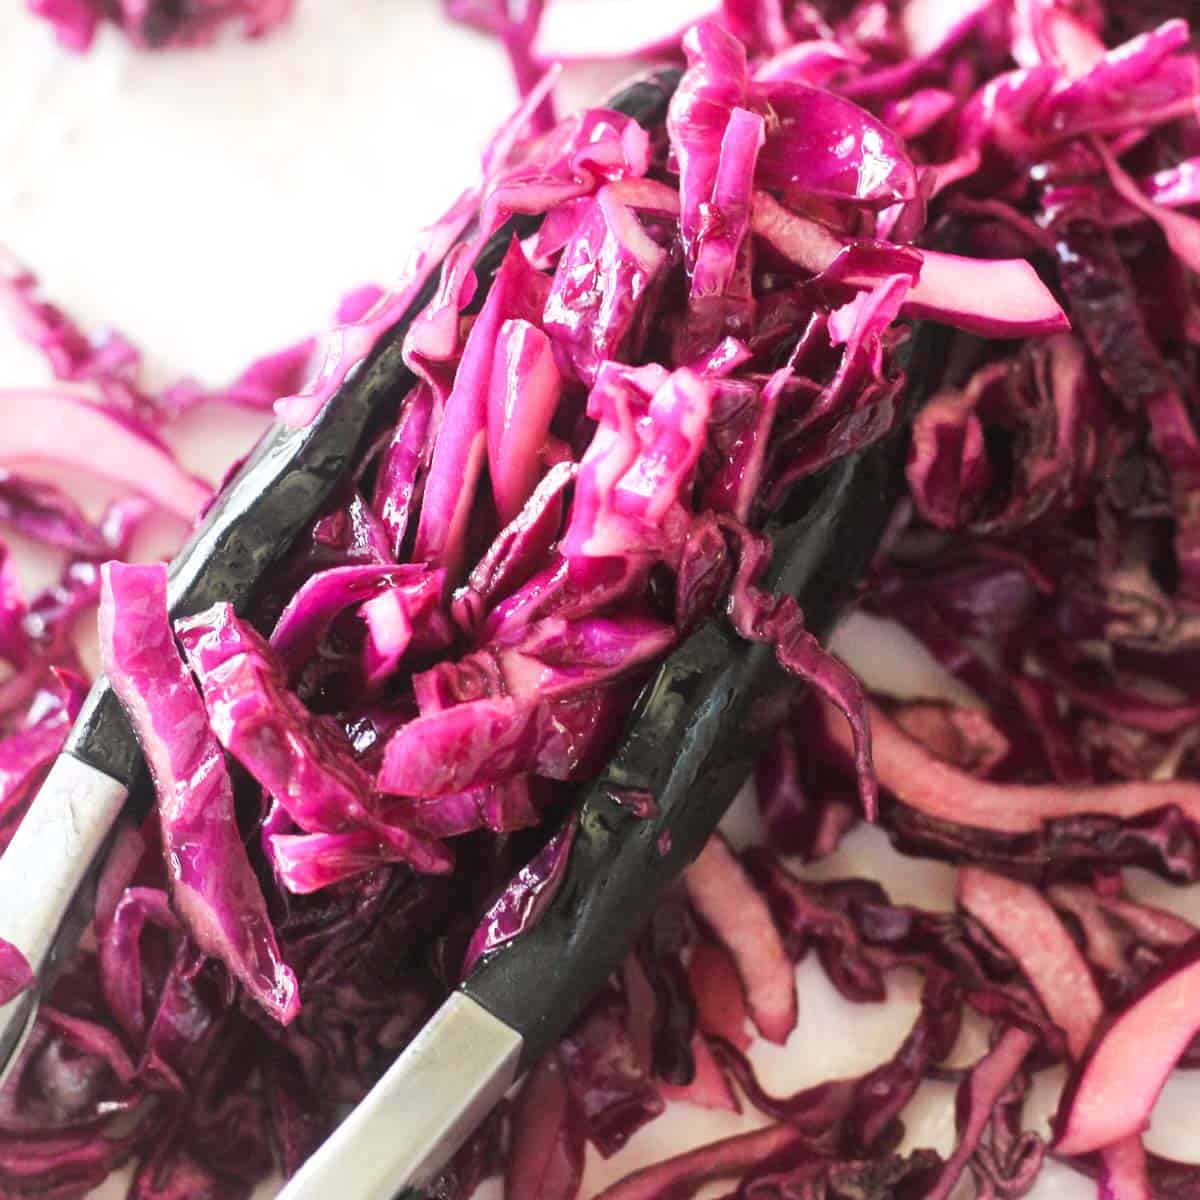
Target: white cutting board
[(213, 205)]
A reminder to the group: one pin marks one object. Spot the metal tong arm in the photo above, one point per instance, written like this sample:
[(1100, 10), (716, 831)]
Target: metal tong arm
[(694, 736)]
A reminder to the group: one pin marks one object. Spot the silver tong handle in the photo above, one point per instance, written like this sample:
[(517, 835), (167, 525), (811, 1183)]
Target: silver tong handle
[(452, 1074), (42, 872)]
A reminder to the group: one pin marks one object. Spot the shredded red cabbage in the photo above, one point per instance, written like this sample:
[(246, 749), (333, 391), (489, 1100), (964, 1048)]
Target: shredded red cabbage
[(212, 881), (157, 24), (367, 781)]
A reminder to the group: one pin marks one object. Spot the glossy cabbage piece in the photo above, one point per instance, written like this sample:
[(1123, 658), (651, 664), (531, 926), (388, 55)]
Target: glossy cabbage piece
[(304, 762), (213, 884)]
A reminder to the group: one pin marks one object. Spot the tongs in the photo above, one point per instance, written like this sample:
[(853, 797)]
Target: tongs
[(693, 738), (695, 733)]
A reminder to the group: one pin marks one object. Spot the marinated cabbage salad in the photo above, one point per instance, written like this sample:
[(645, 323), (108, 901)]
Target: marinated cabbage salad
[(363, 778)]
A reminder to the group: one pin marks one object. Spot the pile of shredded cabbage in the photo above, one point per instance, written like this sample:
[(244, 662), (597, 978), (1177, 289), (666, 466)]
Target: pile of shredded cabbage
[(368, 778)]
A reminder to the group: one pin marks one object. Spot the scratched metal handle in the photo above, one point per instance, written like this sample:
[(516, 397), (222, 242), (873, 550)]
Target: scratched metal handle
[(430, 1101), (51, 857)]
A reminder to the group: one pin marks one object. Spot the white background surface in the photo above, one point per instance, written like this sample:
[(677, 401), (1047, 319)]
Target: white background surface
[(214, 205)]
